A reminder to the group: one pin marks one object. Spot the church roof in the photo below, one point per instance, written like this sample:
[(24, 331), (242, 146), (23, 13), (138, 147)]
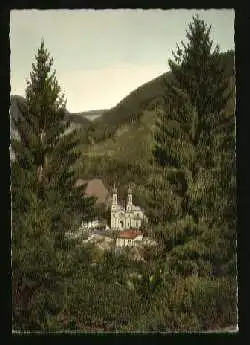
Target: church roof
[(130, 234)]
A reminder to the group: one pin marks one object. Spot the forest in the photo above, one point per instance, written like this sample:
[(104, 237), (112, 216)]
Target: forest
[(174, 140)]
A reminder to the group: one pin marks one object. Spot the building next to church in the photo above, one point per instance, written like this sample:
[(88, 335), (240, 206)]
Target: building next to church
[(127, 217), (129, 238)]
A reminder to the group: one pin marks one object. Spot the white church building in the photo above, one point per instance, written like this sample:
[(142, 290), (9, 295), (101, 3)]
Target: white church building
[(127, 217)]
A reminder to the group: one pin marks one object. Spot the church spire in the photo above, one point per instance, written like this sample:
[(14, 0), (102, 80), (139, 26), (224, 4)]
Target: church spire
[(129, 200), (114, 197)]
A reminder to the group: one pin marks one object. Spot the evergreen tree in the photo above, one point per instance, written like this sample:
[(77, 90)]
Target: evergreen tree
[(194, 142), (44, 150), (45, 199), (156, 198)]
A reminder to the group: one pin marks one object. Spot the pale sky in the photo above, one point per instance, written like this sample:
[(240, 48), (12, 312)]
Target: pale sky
[(101, 56)]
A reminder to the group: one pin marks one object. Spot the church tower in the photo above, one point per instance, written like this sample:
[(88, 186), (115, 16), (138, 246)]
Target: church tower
[(114, 211), (129, 200), (114, 198)]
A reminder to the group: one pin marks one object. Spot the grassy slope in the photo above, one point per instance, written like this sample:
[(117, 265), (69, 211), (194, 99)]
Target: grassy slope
[(129, 109), (124, 158), (133, 139)]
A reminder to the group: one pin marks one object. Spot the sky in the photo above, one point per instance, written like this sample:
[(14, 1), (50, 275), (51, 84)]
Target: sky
[(100, 56)]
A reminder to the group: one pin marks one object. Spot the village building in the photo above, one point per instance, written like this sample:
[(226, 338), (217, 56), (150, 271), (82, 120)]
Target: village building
[(93, 225), (127, 217), (90, 224), (129, 238)]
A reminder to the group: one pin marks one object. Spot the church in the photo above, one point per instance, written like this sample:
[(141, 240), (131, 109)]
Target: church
[(127, 217)]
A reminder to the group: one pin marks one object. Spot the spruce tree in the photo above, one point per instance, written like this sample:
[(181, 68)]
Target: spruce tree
[(194, 142), (45, 199), (45, 151)]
